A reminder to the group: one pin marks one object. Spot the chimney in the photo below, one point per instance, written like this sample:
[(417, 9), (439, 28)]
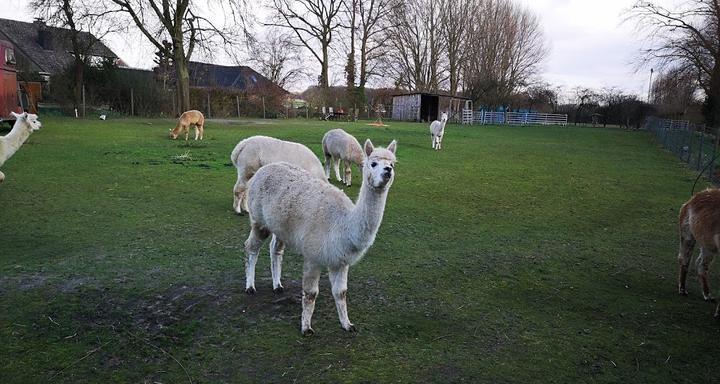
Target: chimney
[(44, 34)]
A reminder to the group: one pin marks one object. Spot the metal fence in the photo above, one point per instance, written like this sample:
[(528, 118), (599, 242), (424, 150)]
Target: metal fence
[(694, 144), (519, 118)]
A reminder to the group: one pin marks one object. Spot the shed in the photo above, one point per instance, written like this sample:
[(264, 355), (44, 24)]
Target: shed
[(424, 107)]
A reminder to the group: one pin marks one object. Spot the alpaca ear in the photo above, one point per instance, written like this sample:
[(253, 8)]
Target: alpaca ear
[(368, 147), (392, 147)]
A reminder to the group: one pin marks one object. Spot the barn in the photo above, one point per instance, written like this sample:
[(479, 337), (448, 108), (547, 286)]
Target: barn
[(424, 107)]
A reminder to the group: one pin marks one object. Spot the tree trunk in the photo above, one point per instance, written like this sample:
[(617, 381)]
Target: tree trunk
[(183, 80), (713, 97), (324, 75), (78, 84)]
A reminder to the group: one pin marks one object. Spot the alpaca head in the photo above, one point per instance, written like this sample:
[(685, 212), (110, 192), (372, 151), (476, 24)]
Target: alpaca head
[(443, 117), (30, 120), (379, 168), (173, 134)]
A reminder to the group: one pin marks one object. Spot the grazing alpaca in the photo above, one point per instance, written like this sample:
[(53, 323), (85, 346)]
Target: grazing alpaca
[(254, 152), (437, 130), (338, 146), (187, 119), (699, 222), (319, 221), (25, 124)]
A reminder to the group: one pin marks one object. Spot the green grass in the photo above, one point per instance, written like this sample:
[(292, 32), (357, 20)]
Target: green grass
[(516, 254)]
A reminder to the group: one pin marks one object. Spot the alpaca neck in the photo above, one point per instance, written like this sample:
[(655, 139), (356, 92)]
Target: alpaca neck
[(13, 140), (365, 218)]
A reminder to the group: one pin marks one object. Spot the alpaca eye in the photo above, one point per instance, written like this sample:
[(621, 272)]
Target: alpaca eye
[(373, 164)]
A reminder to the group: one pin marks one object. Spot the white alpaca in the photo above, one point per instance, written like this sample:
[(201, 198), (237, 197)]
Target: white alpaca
[(437, 130), (254, 152), (339, 145), (319, 221), (25, 124)]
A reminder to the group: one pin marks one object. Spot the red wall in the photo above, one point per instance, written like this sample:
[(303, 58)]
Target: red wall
[(8, 85)]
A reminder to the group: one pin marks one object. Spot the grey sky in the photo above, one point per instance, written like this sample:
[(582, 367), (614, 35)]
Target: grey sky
[(589, 46)]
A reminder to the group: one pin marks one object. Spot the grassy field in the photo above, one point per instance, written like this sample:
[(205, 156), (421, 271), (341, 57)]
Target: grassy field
[(516, 254)]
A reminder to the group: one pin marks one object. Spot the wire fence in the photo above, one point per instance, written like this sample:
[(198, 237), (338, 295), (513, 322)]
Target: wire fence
[(694, 144)]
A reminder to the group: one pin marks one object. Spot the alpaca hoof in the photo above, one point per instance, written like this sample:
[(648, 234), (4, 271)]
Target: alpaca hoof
[(279, 289), (351, 328), (308, 332), (710, 299), (250, 290), (683, 292)]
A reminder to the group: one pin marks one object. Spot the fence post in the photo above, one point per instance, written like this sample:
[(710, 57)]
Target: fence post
[(208, 102), (263, 101), (83, 100), (700, 152), (237, 101), (132, 102)]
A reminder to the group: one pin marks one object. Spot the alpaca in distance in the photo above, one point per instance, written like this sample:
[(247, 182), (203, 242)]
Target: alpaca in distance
[(339, 146), (25, 124)]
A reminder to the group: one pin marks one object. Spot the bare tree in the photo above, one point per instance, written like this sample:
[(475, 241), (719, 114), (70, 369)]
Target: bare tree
[(82, 27), (586, 102), (687, 38), (674, 91), (313, 23), (374, 16), (505, 49), (277, 58), (415, 45), (455, 17), (540, 94), (182, 23)]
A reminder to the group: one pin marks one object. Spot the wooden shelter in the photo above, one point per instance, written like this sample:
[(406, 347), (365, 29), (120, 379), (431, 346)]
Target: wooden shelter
[(425, 107)]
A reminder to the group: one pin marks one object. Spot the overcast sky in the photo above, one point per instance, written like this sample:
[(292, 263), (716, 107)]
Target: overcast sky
[(589, 44)]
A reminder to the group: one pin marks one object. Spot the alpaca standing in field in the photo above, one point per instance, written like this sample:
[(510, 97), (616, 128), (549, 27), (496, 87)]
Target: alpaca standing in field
[(187, 119), (319, 221), (437, 130), (254, 152), (699, 222), (338, 146), (25, 124)]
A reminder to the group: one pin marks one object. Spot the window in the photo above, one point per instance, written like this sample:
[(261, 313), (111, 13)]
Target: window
[(9, 56)]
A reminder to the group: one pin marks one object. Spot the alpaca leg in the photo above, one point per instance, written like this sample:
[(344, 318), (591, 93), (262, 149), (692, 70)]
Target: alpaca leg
[(433, 141), (328, 162), (197, 132), (336, 165), (687, 242), (201, 128), (703, 266), (338, 281), (239, 192), (277, 250), (252, 248), (2, 177), (186, 128), (311, 280), (348, 173)]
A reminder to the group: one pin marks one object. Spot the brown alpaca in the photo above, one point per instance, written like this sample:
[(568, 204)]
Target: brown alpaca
[(699, 222), (187, 119)]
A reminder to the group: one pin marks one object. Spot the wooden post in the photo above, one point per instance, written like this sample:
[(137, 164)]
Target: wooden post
[(208, 102), (83, 100), (132, 102), (263, 101), (237, 102)]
